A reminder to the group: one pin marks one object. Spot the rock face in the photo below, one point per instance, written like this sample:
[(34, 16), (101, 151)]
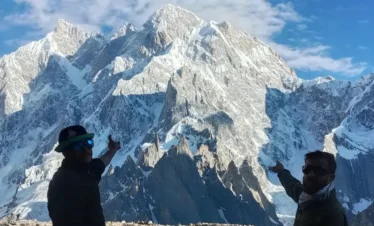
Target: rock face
[(174, 192), (178, 192), (201, 109), (365, 217)]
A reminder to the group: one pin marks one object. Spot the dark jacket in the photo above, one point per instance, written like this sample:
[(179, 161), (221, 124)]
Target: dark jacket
[(326, 212), (73, 194)]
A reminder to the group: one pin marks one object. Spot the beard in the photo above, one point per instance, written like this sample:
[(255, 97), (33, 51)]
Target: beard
[(313, 185)]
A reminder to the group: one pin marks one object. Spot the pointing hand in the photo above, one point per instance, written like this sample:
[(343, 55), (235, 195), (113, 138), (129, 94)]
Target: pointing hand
[(277, 168), (113, 145)]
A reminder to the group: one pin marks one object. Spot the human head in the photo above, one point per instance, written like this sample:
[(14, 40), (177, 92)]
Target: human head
[(319, 171), (76, 144)]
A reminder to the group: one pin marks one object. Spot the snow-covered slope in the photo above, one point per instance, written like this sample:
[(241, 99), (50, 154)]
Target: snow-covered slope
[(177, 81)]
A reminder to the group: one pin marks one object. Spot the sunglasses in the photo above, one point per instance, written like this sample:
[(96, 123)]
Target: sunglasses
[(83, 144), (317, 171)]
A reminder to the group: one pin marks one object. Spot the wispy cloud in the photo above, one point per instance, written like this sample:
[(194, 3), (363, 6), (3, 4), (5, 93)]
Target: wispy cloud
[(358, 8), (316, 59), (259, 18), (317, 37), (363, 21), (3, 26), (302, 27), (313, 18), (362, 47)]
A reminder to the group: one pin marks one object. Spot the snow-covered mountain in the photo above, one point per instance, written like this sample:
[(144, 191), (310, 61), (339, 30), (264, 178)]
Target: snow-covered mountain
[(201, 109)]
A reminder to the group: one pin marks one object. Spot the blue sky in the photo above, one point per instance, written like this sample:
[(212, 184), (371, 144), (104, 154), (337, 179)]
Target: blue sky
[(345, 26), (316, 37)]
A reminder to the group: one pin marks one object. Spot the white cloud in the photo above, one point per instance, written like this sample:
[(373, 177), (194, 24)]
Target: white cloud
[(316, 59), (313, 17), (362, 47), (363, 21), (302, 27), (258, 17)]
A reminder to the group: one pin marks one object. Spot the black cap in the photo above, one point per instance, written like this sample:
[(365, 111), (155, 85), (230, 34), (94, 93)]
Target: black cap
[(70, 135)]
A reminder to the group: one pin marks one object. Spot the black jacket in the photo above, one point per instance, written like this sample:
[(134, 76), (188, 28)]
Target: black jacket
[(73, 194), (326, 212)]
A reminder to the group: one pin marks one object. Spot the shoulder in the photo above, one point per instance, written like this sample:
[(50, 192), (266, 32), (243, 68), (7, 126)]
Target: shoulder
[(98, 168), (59, 176), (97, 163), (63, 178), (63, 174)]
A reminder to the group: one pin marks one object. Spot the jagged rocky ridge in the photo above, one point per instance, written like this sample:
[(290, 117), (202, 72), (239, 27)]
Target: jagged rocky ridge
[(176, 192), (201, 110)]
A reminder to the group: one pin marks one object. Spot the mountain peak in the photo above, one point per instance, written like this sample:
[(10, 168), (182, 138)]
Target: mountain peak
[(61, 22), (329, 77), (170, 9), (123, 30), (68, 37), (65, 27), (170, 14), (169, 23), (181, 149)]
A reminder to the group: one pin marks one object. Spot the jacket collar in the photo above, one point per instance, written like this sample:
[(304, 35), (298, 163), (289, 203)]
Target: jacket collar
[(317, 203), (75, 165), (321, 194)]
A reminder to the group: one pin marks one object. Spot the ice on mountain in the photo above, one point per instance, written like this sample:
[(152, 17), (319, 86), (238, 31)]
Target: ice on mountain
[(316, 81), (76, 76), (362, 205), (121, 64), (122, 31)]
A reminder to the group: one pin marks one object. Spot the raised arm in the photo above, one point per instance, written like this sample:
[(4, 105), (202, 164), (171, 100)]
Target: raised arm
[(113, 147), (293, 187)]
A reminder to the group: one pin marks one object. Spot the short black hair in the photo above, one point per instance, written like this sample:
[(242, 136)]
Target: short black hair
[(330, 158)]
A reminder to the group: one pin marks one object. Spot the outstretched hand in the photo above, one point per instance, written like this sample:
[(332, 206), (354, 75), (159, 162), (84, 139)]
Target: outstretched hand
[(113, 145), (277, 168)]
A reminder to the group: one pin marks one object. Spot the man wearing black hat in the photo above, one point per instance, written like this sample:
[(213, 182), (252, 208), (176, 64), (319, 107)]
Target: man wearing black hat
[(73, 194)]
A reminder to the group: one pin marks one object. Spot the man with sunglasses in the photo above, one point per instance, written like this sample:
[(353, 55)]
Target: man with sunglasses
[(316, 196), (73, 194)]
